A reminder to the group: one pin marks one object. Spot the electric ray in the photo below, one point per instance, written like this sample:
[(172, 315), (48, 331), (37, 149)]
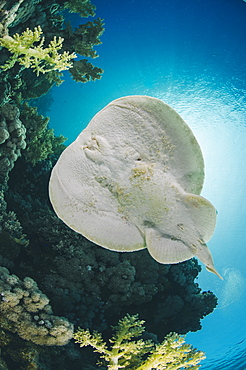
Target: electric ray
[(132, 179)]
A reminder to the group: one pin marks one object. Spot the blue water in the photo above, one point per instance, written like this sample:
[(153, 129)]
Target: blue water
[(192, 55)]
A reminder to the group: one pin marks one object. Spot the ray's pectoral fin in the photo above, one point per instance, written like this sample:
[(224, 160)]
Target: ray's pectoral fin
[(214, 271), (203, 215), (204, 255), (166, 249)]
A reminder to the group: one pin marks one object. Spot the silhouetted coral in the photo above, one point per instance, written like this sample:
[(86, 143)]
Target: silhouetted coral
[(84, 71)]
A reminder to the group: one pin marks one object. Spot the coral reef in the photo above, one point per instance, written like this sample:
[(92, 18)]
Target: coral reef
[(25, 310), (32, 337), (40, 140), (89, 286), (83, 7), (12, 138), (12, 238), (82, 41), (33, 88), (128, 352), (41, 59), (93, 286), (86, 36), (84, 71), (24, 131), (8, 14), (15, 12), (47, 55)]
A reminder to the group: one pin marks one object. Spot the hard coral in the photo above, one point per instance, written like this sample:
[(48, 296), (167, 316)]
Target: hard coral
[(128, 352), (25, 310)]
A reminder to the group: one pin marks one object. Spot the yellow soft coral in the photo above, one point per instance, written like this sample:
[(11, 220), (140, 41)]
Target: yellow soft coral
[(126, 353), (41, 59)]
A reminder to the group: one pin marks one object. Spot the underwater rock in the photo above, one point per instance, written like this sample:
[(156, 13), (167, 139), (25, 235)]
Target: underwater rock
[(132, 179)]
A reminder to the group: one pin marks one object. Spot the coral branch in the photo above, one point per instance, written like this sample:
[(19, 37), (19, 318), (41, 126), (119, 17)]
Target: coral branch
[(125, 353), (41, 59)]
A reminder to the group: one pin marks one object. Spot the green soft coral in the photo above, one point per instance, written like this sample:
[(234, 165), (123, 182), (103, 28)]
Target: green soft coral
[(127, 353), (41, 59)]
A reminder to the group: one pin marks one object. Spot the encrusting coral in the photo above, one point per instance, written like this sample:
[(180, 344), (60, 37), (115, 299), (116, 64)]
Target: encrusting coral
[(25, 310), (41, 59), (127, 351)]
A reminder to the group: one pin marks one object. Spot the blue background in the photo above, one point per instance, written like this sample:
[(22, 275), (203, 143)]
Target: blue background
[(192, 55)]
